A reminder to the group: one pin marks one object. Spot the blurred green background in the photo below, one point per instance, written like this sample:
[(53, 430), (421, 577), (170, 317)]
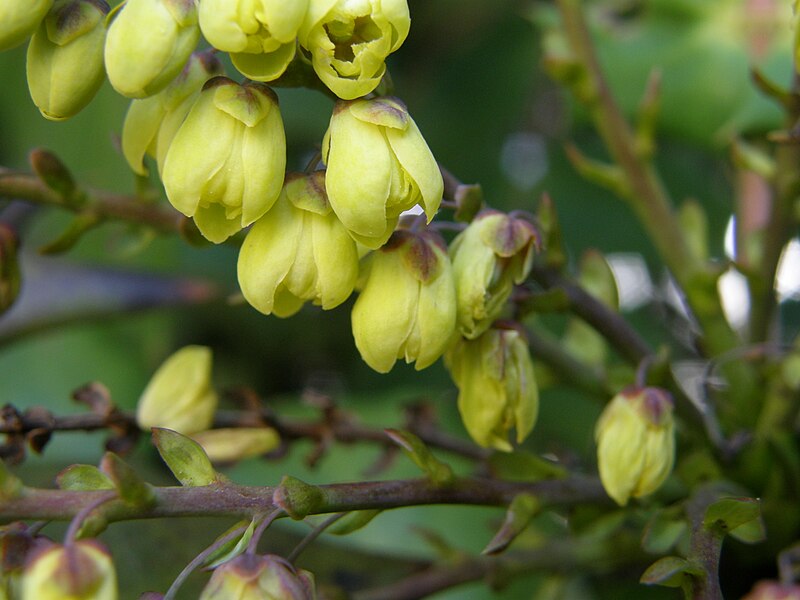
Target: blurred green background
[(470, 74)]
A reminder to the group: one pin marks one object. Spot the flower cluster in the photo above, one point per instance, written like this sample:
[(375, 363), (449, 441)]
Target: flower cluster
[(219, 147)]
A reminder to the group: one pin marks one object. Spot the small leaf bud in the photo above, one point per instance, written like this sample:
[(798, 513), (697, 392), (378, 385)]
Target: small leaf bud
[(180, 395), (635, 437)]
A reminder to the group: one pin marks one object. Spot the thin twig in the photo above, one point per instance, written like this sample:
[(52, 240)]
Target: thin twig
[(313, 535), (611, 325), (252, 546), (23, 186), (246, 501), (198, 561)]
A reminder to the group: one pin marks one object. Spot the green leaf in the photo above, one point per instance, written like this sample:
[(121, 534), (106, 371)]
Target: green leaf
[(53, 173), (727, 514), (232, 548), (520, 512), (751, 532), (470, 200), (662, 533), (83, 478), (130, 487), (440, 473), (353, 521), (298, 498), (669, 571), (185, 458), (77, 228)]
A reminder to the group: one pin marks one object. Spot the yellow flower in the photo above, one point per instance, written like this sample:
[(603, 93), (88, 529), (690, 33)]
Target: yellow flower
[(489, 257), (148, 43), (349, 41), (378, 166), (152, 122), (635, 443), (407, 306), (261, 35), (65, 58), (252, 577), (496, 386), (19, 19), (180, 395), (225, 166), (237, 443), (298, 251), (80, 571)]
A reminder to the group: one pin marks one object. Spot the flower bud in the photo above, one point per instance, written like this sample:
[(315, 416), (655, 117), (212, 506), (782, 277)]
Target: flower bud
[(180, 395), (378, 166), (496, 386), (252, 577), (492, 254), (65, 58), (225, 166), (79, 571), (19, 19), (635, 443), (237, 443), (148, 44), (298, 251), (349, 41), (773, 590), (9, 268), (261, 35), (407, 306), (152, 122)]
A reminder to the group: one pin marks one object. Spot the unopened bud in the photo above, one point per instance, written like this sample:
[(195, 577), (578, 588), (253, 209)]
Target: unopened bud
[(237, 443), (79, 571), (252, 577), (407, 308), (773, 590), (148, 44), (19, 19), (151, 123), (496, 386), (9, 268), (489, 257), (635, 443), (379, 165), (227, 180), (298, 251), (180, 395), (65, 57)]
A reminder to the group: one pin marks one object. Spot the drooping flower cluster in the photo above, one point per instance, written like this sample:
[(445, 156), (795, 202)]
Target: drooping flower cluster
[(219, 147)]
